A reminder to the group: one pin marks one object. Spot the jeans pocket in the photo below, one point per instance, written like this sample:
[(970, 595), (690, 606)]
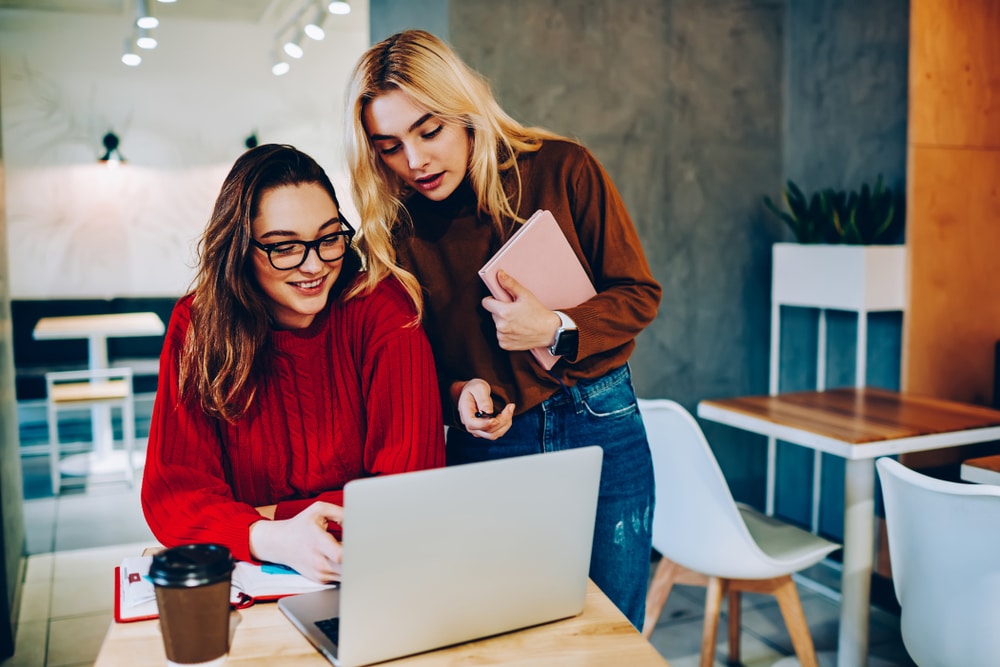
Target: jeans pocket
[(610, 401), (608, 409)]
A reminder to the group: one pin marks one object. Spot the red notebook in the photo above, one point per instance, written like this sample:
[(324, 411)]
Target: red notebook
[(539, 257)]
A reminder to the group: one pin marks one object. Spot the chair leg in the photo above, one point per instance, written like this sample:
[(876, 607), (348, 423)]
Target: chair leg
[(735, 613), (54, 471), (128, 435), (659, 591), (795, 621), (714, 593)]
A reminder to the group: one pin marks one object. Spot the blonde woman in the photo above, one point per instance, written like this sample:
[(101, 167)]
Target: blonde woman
[(284, 375), (443, 173)]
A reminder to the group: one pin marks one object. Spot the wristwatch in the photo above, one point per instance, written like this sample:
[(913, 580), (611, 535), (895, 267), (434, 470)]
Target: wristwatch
[(567, 337)]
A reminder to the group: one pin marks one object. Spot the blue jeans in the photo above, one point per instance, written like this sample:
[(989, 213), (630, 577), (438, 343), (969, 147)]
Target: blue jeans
[(596, 412)]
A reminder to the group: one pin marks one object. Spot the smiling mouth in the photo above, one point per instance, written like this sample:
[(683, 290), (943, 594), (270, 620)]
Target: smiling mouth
[(310, 284)]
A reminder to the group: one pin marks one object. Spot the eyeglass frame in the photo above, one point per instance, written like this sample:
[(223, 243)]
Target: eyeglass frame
[(309, 245)]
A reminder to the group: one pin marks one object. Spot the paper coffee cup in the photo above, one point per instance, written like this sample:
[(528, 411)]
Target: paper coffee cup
[(192, 585)]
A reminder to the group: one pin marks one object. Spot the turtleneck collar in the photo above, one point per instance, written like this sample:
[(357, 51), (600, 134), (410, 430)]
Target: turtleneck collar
[(461, 202)]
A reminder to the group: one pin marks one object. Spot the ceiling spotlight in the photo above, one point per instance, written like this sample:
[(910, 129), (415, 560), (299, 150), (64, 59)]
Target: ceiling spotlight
[(279, 66), (129, 56), (314, 28), (143, 18), (112, 155), (339, 7), (145, 40), (167, 2), (292, 47)]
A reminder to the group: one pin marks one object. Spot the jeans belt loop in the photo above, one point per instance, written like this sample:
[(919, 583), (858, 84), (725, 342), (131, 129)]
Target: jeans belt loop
[(576, 396)]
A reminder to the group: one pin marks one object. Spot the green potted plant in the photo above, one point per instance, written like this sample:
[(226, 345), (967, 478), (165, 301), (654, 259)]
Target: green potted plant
[(869, 216), (845, 255)]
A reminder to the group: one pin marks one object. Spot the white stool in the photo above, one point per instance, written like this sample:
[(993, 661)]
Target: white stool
[(81, 389)]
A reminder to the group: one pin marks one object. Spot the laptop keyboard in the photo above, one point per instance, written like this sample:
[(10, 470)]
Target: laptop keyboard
[(331, 628)]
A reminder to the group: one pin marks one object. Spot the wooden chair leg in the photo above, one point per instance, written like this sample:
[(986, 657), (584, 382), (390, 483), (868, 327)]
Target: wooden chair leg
[(734, 625), (659, 590), (795, 621), (714, 592)]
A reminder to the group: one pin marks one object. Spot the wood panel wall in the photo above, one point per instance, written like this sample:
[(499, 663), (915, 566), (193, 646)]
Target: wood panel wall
[(953, 204)]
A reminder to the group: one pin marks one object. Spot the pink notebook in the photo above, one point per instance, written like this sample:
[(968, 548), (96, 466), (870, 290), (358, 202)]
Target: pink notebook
[(539, 257)]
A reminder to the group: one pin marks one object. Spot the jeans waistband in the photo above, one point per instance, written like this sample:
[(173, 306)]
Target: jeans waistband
[(584, 389)]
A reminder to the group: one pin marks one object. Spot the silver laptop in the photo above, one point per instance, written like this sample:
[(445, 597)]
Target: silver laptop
[(439, 557)]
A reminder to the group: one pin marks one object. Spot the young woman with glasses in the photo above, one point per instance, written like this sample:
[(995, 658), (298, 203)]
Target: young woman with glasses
[(285, 373), (439, 169)]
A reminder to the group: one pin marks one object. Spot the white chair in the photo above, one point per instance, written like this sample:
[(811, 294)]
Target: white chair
[(75, 390), (707, 539), (944, 548)]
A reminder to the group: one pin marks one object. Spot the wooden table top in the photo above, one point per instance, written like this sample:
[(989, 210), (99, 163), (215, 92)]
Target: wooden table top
[(601, 636), (112, 324), (982, 470), (864, 415)]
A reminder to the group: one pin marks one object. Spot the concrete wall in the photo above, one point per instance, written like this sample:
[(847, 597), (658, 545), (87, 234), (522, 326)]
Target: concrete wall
[(697, 110), (12, 544), (846, 92), (391, 16)]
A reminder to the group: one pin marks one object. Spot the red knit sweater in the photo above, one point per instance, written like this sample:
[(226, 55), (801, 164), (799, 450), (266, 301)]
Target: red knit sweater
[(352, 395)]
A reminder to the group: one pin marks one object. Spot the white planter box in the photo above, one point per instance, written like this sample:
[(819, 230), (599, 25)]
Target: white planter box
[(842, 277)]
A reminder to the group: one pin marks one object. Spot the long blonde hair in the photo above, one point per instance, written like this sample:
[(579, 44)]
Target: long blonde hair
[(431, 73)]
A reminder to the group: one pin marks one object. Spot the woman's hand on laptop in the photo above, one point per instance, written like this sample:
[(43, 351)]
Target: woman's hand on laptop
[(476, 410), (302, 542)]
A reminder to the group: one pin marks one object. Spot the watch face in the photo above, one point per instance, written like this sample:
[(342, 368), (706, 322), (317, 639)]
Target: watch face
[(566, 342)]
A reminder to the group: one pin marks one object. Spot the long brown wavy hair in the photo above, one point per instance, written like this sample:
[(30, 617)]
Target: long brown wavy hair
[(230, 321)]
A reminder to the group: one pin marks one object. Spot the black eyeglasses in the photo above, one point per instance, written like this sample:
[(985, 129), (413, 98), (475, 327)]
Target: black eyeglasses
[(288, 255)]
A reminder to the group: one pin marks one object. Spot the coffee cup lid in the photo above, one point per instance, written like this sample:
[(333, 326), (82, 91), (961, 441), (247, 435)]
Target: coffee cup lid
[(191, 565)]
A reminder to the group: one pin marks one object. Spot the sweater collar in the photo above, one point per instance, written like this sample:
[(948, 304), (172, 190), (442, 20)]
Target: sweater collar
[(287, 339), (461, 202)]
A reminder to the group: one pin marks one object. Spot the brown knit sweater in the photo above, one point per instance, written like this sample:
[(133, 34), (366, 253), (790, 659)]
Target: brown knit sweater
[(450, 242)]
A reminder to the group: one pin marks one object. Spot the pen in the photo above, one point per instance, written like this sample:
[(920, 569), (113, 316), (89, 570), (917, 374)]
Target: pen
[(483, 415)]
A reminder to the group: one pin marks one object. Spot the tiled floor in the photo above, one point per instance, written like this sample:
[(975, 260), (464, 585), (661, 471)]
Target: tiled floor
[(67, 606), (98, 515), (764, 641), (76, 540)]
